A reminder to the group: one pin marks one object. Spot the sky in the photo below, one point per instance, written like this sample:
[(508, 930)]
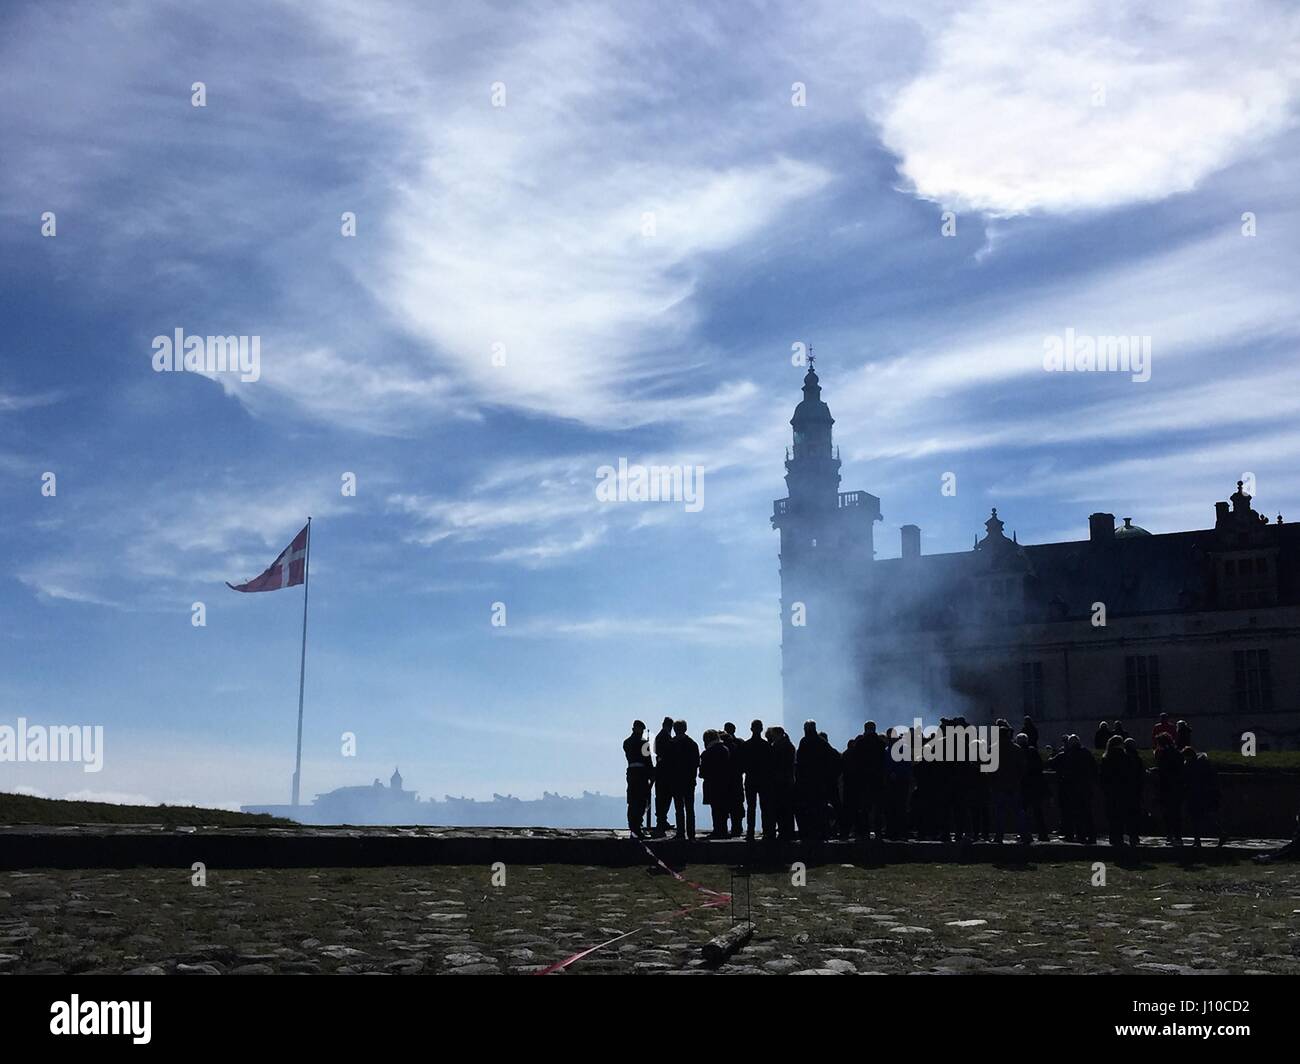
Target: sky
[(586, 233)]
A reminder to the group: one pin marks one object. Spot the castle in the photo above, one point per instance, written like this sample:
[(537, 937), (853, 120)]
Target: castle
[(364, 805), (377, 804), (1202, 625)]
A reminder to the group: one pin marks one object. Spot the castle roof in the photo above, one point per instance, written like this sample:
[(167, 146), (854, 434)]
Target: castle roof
[(1132, 571)]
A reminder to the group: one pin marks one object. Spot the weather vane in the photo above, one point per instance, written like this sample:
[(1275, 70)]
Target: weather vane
[(812, 359)]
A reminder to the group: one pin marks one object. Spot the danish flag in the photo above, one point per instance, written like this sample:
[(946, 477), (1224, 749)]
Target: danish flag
[(287, 570)]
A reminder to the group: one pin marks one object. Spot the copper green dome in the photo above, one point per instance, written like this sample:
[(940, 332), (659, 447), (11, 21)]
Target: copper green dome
[(1129, 530)]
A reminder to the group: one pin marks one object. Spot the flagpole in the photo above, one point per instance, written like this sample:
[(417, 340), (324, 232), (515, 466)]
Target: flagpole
[(302, 665)]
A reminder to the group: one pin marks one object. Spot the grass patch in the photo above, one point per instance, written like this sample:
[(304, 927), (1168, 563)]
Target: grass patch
[(49, 812), (1231, 761)]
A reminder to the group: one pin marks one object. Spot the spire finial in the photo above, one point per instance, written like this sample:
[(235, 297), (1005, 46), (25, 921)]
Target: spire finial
[(994, 526)]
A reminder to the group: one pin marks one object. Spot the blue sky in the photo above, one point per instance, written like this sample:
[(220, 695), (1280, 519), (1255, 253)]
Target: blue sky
[(1098, 159)]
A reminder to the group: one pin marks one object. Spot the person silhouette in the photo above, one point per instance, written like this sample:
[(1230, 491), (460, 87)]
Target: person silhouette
[(870, 756), (715, 771), (640, 771), (1202, 788), (1169, 786), (735, 781), (1082, 770), (1115, 786), (685, 766), (663, 776), (1164, 726), (810, 776), (780, 785), (756, 758), (1133, 799)]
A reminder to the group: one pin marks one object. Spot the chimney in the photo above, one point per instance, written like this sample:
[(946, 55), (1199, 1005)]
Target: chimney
[(1101, 527), (911, 541)]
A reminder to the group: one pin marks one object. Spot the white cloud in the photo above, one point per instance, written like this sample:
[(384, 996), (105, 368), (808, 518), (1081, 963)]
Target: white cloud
[(1003, 118), (543, 512), (756, 623), (10, 402), (1181, 472), (591, 314), (477, 225), (176, 539), (58, 581), (364, 389), (1223, 292), (551, 548), (556, 226), (112, 798), (551, 504)]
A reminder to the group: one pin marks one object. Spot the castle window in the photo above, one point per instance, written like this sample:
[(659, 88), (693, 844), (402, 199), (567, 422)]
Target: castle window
[(1031, 686), (1247, 581), (1142, 685), (1253, 681)]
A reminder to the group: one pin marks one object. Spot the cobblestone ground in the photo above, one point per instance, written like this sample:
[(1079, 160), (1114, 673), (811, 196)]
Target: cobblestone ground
[(845, 920)]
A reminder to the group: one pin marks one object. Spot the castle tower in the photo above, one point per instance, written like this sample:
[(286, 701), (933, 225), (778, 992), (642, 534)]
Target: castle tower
[(826, 552), (812, 471)]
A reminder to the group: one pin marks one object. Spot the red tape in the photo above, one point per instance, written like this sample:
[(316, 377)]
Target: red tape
[(578, 956), (718, 899)]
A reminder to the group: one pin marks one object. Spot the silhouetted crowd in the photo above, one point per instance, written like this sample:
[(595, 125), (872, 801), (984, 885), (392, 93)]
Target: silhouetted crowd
[(892, 786)]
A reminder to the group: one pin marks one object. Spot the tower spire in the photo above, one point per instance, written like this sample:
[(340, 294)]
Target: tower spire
[(826, 553)]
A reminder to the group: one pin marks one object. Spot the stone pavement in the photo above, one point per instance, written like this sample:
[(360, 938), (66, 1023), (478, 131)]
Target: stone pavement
[(128, 846), (910, 918)]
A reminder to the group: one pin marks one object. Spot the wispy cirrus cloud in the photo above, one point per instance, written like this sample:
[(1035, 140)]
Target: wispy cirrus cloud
[(531, 498), (10, 401), (550, 265), (54, 580), (1221, 292), (744, 623), (174, 540), (572, 250)]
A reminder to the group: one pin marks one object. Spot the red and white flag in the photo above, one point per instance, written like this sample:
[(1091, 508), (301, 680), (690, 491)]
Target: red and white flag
[(288, 569)]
